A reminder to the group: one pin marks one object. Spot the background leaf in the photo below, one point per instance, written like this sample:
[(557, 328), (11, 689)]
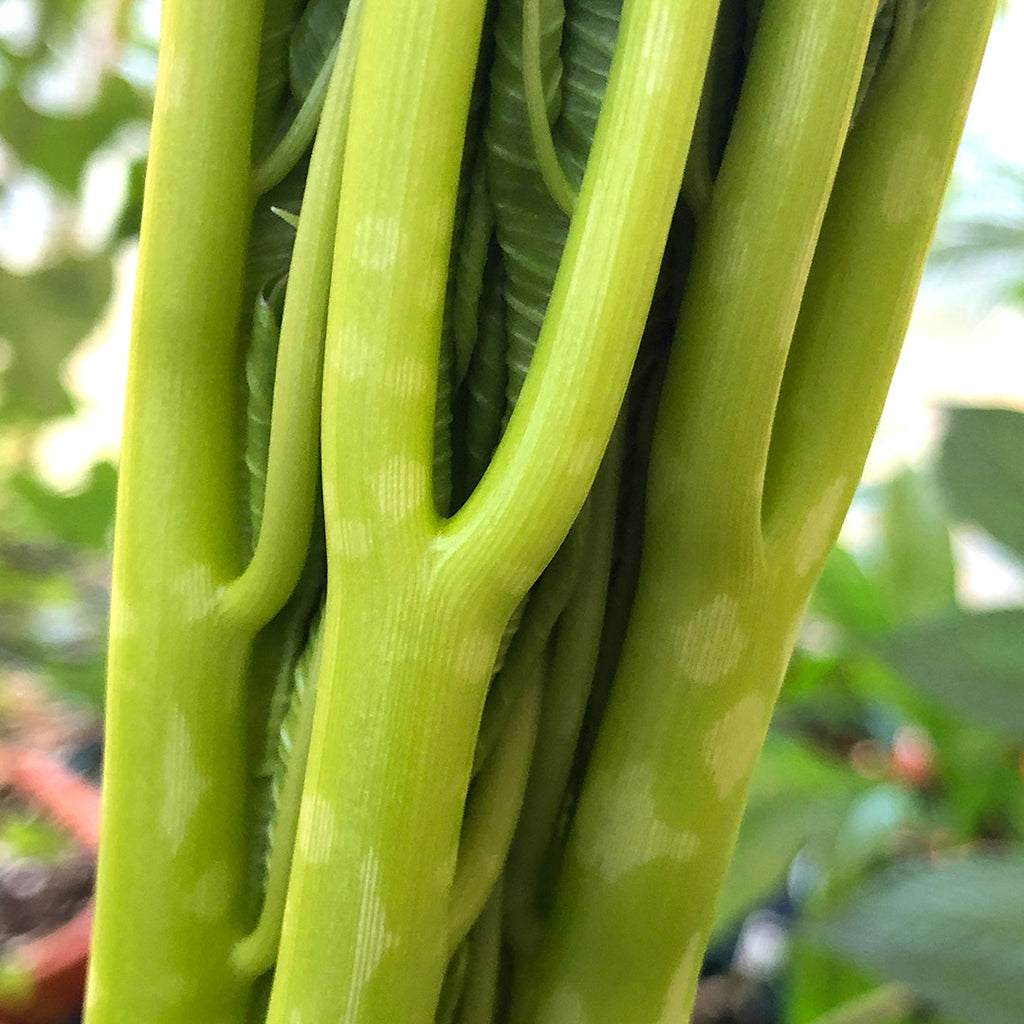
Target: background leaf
[(955, 933), (973, 663), (982, 470)]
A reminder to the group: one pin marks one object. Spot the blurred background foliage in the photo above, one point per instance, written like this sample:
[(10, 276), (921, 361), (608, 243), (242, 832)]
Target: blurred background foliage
[(882, 842)]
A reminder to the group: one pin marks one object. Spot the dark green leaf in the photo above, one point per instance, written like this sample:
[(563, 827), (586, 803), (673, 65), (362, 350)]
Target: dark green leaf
[(44, 316), (982, 470), (315, 36), (973, 663), (955, 933)]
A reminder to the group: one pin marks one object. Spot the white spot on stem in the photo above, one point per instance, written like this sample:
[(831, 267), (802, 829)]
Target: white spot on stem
[(183, 785), (408, 378), (563, 1006), (401, 487), (475, 656), (376, 242), (818, 527), (354, 539), (626, 832), (659, 49), (710, 642), (353, 356), (211, 893), (373, 939), (731, 746), (197, 591), (317, 829)]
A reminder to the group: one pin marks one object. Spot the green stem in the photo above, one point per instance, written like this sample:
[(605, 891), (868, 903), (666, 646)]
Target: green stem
[(294, 458), (273, 168), (256, 953), (491, 811), (416, 607), (546, 461), (865, 276), (573, 661), (544, 604), (173, 862), (537, 110), (480, 994)]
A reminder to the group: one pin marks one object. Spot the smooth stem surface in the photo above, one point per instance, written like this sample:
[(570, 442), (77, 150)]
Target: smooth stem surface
[(173, 865), (740, 307), (415, 610)]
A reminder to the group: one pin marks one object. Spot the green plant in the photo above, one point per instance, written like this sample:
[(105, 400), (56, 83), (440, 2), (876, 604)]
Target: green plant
[(337, 683)]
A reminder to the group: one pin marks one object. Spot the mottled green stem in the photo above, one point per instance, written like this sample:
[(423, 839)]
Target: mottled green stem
[(720, 596), (712, 623), (416, 607), (173, 864)]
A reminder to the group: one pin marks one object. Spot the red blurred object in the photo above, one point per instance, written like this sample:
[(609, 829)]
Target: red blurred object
[(912, 759), (57, 962)]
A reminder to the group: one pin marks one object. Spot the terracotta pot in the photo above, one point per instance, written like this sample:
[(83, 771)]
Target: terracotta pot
[(47, 976)]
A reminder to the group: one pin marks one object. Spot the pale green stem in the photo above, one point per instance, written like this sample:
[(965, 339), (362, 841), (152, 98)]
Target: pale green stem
[(712, 623), (740, 309), (294, 457), (404, 667), (173, 862), (890, 1004), (537, 109), (492, 810)]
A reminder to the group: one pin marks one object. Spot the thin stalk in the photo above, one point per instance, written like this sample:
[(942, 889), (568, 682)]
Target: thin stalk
[(537, 109), (480, 994), (492, 810), (173, 863), (865, 276), (574, 658), (294, 457), (556, 437)]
